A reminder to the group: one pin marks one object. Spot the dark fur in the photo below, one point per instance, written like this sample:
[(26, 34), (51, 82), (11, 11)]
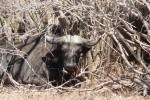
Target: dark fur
[(41, 65)]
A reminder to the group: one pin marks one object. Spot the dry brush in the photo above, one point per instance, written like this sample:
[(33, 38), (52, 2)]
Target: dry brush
[(121, 60)]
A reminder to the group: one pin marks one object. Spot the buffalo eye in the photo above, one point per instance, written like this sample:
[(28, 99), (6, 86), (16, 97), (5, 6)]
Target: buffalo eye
[(80, 50)]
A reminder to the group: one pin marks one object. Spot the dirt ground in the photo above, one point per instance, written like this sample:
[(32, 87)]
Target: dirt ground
[(9, 93)]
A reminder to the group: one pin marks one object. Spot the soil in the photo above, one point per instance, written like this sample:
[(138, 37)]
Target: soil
[(10, 93)]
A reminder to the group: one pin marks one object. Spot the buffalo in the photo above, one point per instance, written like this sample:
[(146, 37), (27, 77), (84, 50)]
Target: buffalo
[(44, 62)]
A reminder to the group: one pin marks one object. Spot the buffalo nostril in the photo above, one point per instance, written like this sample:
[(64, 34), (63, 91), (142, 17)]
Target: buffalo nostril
[(70, 68)]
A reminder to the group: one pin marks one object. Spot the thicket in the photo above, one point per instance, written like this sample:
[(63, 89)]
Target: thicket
[(121, 60)]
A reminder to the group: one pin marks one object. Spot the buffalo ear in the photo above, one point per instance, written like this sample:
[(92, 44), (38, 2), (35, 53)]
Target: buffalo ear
[(44, 59), (85, 50)]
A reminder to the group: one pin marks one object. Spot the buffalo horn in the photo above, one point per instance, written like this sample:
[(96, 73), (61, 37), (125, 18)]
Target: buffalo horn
[(59, 40), (90, 43), (54, 40)]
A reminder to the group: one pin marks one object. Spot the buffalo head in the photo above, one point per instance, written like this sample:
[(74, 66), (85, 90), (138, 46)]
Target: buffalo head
[(71, 49)]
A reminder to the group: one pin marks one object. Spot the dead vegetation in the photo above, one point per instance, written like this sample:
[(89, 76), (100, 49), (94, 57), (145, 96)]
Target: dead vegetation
[(10, 93), (121, 60)]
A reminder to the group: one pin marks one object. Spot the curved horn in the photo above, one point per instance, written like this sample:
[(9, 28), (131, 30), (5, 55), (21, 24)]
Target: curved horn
[(90, 43), (54, 40), (72, 39)]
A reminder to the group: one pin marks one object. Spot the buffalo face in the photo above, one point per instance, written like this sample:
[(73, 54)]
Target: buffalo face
[(71, 54), (71, 49)]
